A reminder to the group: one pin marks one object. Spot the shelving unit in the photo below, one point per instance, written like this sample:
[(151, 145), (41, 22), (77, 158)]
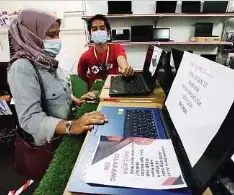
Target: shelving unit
[(195, 15), (155, 18), (223, 15), (172, 43)]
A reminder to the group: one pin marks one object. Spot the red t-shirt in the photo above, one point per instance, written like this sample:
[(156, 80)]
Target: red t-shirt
[(91, 68)]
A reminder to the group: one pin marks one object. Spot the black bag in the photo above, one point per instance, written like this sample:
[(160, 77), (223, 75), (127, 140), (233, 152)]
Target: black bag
[(30, 160)]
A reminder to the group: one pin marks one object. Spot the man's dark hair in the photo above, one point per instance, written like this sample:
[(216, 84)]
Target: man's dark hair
[(99, 17)]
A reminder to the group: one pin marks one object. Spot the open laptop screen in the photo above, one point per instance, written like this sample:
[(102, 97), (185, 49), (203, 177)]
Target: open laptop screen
[(161, 34), (203, 29)]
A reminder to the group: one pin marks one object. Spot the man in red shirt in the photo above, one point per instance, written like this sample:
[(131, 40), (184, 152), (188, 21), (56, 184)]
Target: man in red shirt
[(102, 59)]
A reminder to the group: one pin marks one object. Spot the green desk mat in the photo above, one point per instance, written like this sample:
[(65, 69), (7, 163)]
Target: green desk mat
[(59, 171)]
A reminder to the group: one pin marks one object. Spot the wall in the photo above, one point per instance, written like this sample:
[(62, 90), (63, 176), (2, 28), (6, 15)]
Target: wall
[(181, 28), (72, 29)]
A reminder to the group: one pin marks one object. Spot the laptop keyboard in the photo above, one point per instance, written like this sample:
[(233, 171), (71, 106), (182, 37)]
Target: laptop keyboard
[(135, 85), (140, 123)]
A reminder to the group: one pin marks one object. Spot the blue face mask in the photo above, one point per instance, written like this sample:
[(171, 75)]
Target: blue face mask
[(52, 46), (99, 36)]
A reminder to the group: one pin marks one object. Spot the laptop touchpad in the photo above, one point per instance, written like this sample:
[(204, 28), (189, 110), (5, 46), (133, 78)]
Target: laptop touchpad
[(114, 127)]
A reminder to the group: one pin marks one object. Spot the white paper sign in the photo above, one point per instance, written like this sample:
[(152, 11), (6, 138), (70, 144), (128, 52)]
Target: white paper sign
[(199, 100), (155, 59), (130, 162)]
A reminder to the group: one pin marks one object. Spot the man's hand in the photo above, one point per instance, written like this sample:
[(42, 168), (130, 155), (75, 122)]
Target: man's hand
[(124, 68), (86, 122)]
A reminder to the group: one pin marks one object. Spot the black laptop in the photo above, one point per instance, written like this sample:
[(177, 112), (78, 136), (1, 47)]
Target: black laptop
[(215, 6), (141, 33), (119, 7), (191, 7), (203, 29), (166, 74), (142, 83), (166, 6), (177, 56)]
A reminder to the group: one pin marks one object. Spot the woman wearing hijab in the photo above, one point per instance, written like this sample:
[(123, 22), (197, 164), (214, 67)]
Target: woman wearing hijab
[(34, 41)]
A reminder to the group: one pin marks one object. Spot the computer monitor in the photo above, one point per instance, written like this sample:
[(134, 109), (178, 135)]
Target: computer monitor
[(166, 6), (119, 7), (161, 34)]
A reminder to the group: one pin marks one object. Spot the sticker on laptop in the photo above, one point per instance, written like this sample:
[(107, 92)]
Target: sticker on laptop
[(120, 111)]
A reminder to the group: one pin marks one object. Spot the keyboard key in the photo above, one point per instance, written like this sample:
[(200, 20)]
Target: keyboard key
[(140, 123), (135, 85)]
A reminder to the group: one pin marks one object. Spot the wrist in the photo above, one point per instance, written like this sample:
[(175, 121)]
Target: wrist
[(68, 126)]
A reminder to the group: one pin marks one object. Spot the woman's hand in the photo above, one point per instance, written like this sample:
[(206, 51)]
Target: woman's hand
[(87, 96), (86, 122)]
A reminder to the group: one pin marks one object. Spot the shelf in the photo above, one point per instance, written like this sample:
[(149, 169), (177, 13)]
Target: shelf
[(172, 43), (115, 16)]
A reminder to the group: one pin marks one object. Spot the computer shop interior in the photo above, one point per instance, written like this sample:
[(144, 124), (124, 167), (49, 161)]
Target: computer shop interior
[(116, 97)]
